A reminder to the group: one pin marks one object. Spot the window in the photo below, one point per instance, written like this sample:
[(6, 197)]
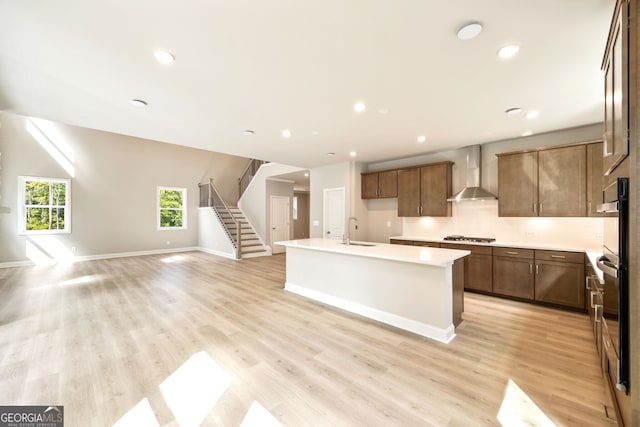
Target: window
[(172, 208), (44, 205)]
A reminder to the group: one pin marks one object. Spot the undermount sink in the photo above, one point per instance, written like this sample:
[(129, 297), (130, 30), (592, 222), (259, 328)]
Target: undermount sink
[(358, 244)]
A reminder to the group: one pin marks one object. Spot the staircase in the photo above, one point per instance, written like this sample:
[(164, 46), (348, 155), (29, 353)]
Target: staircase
[(249, 242)]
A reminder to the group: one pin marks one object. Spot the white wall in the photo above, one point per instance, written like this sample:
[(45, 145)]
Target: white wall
[(481, 218), (254, 199), (113, 188)]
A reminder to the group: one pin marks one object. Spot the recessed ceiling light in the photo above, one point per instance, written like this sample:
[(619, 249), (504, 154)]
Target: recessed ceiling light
[(248, 132), (383, 111), (532, 114), (164, 57), (359, 107), (306, 174), (513, 111), (422, 139), (286, 133), (469, 31), (508, 51), (352, 153), (138, 103), (315, 133), (331, 153), (527, 133)]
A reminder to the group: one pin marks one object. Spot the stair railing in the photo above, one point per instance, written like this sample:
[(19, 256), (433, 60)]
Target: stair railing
[(210, 195), (247, 174)]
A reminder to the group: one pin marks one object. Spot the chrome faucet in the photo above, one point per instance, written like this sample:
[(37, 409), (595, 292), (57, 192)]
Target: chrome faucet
[(347, 240)]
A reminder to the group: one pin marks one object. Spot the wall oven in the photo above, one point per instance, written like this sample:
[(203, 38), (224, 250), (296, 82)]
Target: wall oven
[(614, 264)]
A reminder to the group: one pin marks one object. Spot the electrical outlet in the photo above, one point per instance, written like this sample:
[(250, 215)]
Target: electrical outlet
[(73, 249), (529, 233), (168, 242), (389, 224), (599, 236)]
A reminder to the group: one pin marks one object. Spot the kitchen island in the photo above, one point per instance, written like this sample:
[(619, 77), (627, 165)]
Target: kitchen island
[(418, 289)]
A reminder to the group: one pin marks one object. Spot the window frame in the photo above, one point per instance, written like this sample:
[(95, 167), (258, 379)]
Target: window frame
[(23, 207), (183, 209)]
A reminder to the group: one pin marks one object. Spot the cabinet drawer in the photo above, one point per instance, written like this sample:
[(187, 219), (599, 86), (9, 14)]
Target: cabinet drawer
[(513, 252), (474, 249), (428, 244), (401, 242), (576, 257)]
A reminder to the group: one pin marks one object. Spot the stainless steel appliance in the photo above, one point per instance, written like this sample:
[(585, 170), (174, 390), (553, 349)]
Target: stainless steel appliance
[(614, 264), (458, 238)]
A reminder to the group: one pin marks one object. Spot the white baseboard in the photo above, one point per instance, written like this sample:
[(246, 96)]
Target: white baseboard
[(217, 253), (429, 331)]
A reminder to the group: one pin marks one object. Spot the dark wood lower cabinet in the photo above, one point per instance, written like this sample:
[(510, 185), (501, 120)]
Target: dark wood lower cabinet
[(478, 267), (548, 277), (560, 278), (513, 272)]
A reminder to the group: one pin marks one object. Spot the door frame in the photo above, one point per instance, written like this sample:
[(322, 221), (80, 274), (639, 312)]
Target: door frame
[(278, 248)]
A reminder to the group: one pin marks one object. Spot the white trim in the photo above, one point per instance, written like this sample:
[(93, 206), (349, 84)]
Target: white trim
[(429, 331), (184, 208), (22, 226), (288, 181), (217, 253)]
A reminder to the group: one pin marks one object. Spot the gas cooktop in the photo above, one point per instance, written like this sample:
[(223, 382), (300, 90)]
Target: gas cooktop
[(457, 238)]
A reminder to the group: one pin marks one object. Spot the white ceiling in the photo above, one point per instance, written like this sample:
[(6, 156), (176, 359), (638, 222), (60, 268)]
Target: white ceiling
[(301, 65)]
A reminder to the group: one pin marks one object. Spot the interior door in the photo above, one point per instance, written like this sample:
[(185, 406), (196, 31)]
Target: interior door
[(280, 222), (334, 213)]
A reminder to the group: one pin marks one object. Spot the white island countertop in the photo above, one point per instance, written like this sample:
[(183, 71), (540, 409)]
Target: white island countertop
[(402, 253)]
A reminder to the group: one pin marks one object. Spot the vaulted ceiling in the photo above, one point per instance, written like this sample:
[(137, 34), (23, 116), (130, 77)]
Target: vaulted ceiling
[(301, 65)]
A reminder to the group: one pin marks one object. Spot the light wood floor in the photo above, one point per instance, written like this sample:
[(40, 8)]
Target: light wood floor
[(105, 337)]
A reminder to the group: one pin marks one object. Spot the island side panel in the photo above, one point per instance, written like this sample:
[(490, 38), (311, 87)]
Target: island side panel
[(412, 296), (458, 290)]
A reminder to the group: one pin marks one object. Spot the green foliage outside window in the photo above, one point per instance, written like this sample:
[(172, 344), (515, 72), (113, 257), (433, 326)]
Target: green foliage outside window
[(45, 205), (171, 208)]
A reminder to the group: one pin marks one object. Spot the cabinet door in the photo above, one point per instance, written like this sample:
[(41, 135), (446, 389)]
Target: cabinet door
[(409, 192), (595, 178), (518, 184), (560, 283), (435, 188), (513, 276), (479, 273), (562, 181), (616, 145), (369, 186), (388, 184)]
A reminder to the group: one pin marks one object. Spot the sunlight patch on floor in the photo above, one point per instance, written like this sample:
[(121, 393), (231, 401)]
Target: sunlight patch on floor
[(138, 416), (193, 389), (175, 258), (518, 409), (258, 416)]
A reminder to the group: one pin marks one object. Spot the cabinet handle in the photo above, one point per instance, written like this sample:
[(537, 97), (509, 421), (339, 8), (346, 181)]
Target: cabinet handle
[(537, 269), (530, 268), (418, 210), (540, 211), (586, 283), (597, 316), (534, 208), (592, 303), (558, 256), (589, 209), (512, 252)]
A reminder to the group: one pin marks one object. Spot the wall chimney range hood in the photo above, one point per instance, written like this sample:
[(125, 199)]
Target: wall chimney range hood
[(473, 191)]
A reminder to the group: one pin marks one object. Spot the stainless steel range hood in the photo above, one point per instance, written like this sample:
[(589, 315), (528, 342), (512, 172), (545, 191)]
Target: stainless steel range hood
[(473, 191)]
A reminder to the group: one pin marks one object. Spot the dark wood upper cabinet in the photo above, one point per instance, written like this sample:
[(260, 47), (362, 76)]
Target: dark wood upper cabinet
[(409, 192), (595, 178), (562, 181), (423, 190), (550, 182), (435, 189), (379, 185), (616, 87), (518, 184)]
